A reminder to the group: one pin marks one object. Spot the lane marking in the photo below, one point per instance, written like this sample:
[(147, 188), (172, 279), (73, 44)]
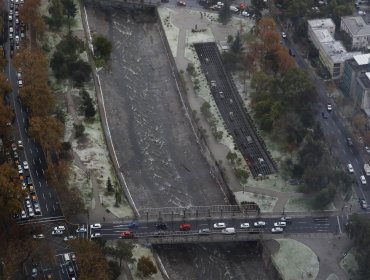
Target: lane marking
[(340, 230)]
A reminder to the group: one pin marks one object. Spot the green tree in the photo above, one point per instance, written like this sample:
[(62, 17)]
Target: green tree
[(258, 7), (109, 185), (205, 109), (231, 157), (70, 10), (146, 266), (114, 270), (237, 45), (122, 251), (242, 175), (102, 47), (56, 13), (224, 15)]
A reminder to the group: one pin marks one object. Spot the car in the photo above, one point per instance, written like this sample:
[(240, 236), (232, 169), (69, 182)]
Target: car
[(181, 3), (286, 219), (13, 146), (220, 4), (329, 107), (20, 169), (62, 228), (245, 14), (28, 203), (25, 165), (283, 35), (34, 197), (213, 84), (361, 13), (71, 237), (23, 214), (259, 224), (81, 229), (363, 203), (280, 224), (363, 180), (95, 226), (161, 226), (234, 9), (244, 225), (29, 181), (219, 225), (277, 230), (204, 231), (30, 212), (10, 35), (127, 234), (350, 168), (95, 235), (367, 149), (20, 144), (70, 270), (185, 227), (349, 142), (11, 29), (39, 236), (10, 17), (133, 225), (20, 83), (291, 52), (57, 232), (324, 116), (73, 257)]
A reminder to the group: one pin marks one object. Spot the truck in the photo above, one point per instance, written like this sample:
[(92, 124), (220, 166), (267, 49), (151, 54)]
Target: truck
[(367, 169)]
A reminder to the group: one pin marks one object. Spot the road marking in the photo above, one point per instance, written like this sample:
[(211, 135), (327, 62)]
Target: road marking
[(40, 161), (40, 184), (34, 162), (37, 173), (43, 195), (47, 209), (31, 151), (49, 194), (37, 149), (53, 207), (340, 230)]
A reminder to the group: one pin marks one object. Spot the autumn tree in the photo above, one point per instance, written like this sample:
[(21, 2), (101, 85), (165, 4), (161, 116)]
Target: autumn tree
[(359, 121), (122, 251), (48, 131), (5, 86), (2, 57), (11, 193), (146, 267), (91, 261), (6, 116), (33, 95), (30, 14)]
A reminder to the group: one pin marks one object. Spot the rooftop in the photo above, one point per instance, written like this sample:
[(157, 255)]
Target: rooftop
[(321, 23), (323, 35), (337, 52), (356, 25), (365, 79), (362, 59)]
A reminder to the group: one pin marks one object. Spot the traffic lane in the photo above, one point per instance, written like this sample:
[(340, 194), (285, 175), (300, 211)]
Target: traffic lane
[(298, 225)]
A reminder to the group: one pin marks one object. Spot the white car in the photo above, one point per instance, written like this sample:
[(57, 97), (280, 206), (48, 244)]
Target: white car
[(11, 29), (259, 224), (220, 4), (244, 225), (363, 180), (350, 168), (219, 225), (280, 224), (61, 228), (30, 212), (361, 13), (329, 107), (367, 149), (95, 226), (95, 235), (57, 232), (20, 144), (245, 14), (23, 214), (39, 236), (277, 230), (81, 229), (283, 35), (20, 83), (234, 9), (71, 237), (25, 165)]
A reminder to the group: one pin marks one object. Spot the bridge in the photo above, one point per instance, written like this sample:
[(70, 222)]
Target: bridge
[(135, 4), (148, 229)]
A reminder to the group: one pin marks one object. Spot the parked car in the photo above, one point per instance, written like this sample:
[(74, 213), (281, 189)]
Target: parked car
[(133, 225), (350, 168), (185, 227), (81, 229), (283, 35), (244, 225), (349, 142), (181, 3), (329, 107), (95, 235), (204, 231), (39, 236), (363, 203), (363, 179), (25, 165), (57, 232)]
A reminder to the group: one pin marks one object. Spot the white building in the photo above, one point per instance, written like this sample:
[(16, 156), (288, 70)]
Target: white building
[(332, 53), (358, 31)]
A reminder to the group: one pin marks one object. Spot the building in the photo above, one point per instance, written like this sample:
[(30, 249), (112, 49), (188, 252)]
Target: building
[(359, 64), (331, 52), (333, 55), (320, 24), (358, 31), (363, 92)]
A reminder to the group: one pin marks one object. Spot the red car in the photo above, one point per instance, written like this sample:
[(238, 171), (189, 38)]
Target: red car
[(185, 227), (127, 234)]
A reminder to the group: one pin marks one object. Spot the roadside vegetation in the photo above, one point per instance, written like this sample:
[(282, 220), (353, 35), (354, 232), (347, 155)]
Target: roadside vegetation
[(358, 229)]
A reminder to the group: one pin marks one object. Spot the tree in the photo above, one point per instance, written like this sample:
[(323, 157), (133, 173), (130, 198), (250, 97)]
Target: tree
[(231, 157), (70, 10), (109, 185), (242, 175), (205, 109), (114, 270), (122, 251), (34, 94), (6, 116), (146, 267), (91, 261), (102, 47), (79, 130), (258, 7), (87, 105), (56, 13), (5, 86), (224, 14), (359, 121), (47, 131), (237, 45)]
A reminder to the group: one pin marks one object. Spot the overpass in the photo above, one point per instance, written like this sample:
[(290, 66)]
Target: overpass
[(134, 4)]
